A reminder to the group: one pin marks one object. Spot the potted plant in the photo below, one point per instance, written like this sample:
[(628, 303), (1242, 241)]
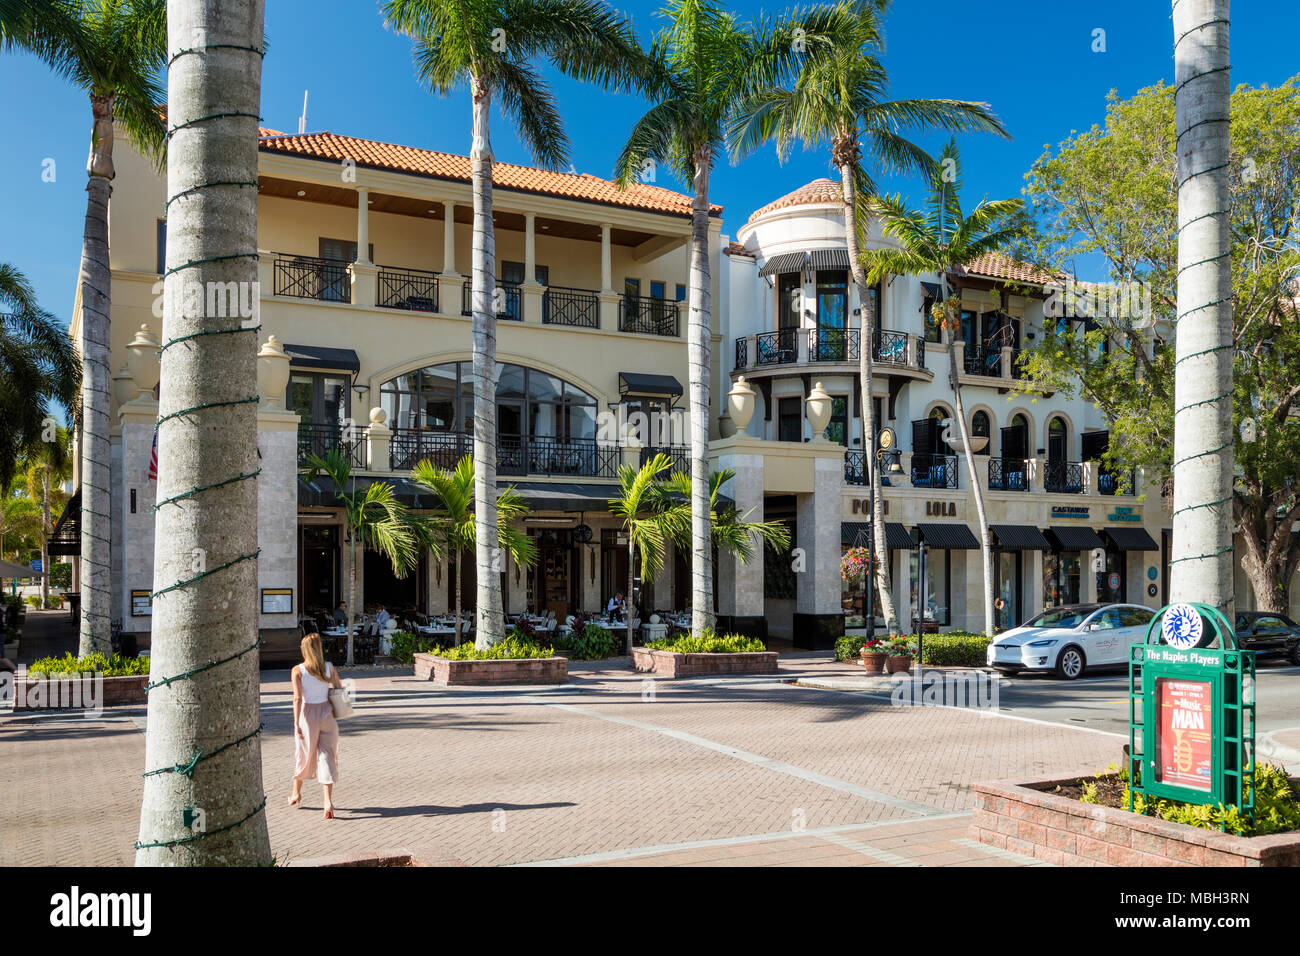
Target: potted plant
[(901, 653), (874, 655)]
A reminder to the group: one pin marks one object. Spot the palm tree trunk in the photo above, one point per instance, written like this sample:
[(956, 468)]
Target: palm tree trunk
[(1203, 435), (631, 589), (986, 550), (491, 620), (459, 613), (46, 528), (96, 280), (698, 348), (880, 560), (205, 624), (352, 590)]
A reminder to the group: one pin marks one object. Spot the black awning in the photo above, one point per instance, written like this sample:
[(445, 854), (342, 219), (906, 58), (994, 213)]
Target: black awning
[(1130, 539), (646, 383), (896, 535), (1074, 538), (786, 262), (66, 539), (948, 537), (318, 356), (829, 259), (1019, 537), (930, 290), (856, 533)]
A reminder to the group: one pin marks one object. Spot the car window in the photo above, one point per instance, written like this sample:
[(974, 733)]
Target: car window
[(1056, 617), (1270, 625), (1135, 616), (1106, 620)]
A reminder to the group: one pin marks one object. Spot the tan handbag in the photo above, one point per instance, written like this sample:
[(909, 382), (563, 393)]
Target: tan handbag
[(340, 702)]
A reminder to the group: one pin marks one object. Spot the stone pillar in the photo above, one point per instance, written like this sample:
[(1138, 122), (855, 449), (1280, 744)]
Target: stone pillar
[(1006, 361), (606, 266), (365, 283), (448, 238), (818, 618), (378, 437), (138, 491), (363, 226), (740, 586), (902, 582), (277, 513), (1091, 476), (530, 292)]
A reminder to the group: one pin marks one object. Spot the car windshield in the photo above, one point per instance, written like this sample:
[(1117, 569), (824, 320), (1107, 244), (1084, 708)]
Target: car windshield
[(1057, 617)]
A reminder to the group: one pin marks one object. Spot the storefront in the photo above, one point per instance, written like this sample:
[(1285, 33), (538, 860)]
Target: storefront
[(857, 534), (933, 570), (1070, 548), (1122, 544), (1013, 545)]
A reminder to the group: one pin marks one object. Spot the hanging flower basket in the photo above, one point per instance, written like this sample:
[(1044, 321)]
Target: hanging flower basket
[(854, 563)]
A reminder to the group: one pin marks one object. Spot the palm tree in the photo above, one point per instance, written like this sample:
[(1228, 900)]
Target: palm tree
[(1203, 434), (700, 68), (202, 749), (48, 466), (454, 523), (38, 369), (650, 517), (492, 47), (374, 517), (20, 522), (939, 239), (838, 99), (113, 50)]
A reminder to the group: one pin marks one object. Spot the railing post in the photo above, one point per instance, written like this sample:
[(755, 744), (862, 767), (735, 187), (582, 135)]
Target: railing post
[(960, 348), (608, 310), (1005, 364), (378, 439), (1091, 476), (265, 273), (365, 278), (530, 302), (801, 348), (1036, 479)]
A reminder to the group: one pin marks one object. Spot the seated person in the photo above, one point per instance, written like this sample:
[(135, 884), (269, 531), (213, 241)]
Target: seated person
[(382, 617), (341, 614)]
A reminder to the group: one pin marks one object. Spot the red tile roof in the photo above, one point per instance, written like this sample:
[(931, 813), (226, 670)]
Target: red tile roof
[(736, 249), (995, 265), (409, 159), (814, 193)]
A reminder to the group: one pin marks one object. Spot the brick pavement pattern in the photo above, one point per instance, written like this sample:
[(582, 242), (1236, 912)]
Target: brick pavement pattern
[(615, 769)]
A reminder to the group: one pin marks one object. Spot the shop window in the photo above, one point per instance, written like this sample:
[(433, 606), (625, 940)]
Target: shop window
[(790, 419)]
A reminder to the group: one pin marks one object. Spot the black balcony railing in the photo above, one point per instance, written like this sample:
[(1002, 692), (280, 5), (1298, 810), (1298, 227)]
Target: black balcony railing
[(576, 307), (1016, 370), (777, 348), (678, 454), (934, 471), (307, 277), (443, 449), (889, 347), (507, 297), (413, 289), (983, 360), (1063, 477), (1116, 482), (516, 454), (920, 351), (1008, 474), (855, 472), (832, 345), (647, 315), (742, 352), (319, 438)]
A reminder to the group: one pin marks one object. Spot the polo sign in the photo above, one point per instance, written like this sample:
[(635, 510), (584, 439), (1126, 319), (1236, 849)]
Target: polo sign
[(1182, 627)]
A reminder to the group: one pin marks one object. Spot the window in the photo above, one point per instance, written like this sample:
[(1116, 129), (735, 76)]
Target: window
[(838, 429), (1106, 620), (656, 290), (318, 398), (681, 292), (933, 331), (789, 299), (790, 419), (778, 571), (941, 447), (1060, 579), (632, 288), (938, 567), (832, 298), (344, 250), (162, 246), (1056, 440), (871, 310), (979, 428), (1135, 617)]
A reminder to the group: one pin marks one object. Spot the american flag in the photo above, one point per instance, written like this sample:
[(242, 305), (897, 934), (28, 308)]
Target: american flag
[(153, 458)]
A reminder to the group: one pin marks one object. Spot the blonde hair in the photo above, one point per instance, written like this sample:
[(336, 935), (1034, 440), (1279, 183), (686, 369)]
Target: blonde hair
[(313, 658)]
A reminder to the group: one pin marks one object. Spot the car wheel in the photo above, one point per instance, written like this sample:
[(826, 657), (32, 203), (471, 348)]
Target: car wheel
[(1071, 664), (1295, 653)]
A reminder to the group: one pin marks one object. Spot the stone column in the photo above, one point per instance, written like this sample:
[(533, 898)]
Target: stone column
[(449, 281), (740, 586), (363, 226), (530, 292), (277, 513), (607, 295), (378, 437), (818, 618), (138, 491)]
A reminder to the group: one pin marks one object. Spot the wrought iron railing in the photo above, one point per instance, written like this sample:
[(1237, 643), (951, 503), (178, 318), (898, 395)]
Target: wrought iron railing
[(647, 315), (507, 295), (983, 360), (516, 454), (889, 347), (412, 289), (1116, 482), (920, 351), (308, 277), (742, 352), (679, 455), (317, 438), (1063, 477), (855, 471), (776, 348), (576, 307), (1008, 474), (832, 345), (934, 471), (1016, 370)]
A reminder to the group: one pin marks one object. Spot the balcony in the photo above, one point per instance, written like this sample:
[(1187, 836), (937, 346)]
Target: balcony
[(646, 315), (855, 472), (983, 360), (934, 471), (897, 353), (318, 438), (412, 289), (1064, 477), (507, 295), (776, 348), (579, 308), (1008, 474), (833, 345), (516, 454), (308, 277), (1116, 483), (679, 455)]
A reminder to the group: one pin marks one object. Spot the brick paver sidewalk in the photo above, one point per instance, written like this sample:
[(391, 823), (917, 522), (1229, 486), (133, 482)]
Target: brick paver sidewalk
[(613, 769)]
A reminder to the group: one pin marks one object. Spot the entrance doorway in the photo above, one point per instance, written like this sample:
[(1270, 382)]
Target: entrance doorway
[(319, 564), (553, 585), (1112, 583), (1007, 589)]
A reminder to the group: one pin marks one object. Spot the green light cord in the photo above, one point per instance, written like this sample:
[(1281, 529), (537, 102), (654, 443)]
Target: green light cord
[(187, 769), (206, 833), (215, 46), (210, 116), (216, 484), (198, 262), (1198, 76), (198, 408), (203, 332), (203, 574), (218, 182)]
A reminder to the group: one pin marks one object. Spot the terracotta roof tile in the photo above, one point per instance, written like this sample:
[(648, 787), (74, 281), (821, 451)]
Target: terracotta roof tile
[(814, 193), (736, 249), (409, 159), (995, 265)]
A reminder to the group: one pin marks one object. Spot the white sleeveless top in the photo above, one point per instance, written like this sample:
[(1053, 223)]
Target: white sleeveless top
[(315, 690)]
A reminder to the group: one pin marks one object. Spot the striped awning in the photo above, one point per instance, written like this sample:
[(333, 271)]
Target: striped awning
[(858, 534), (829, 259), (1019, 537), (786, 262), (1130, 539), (1070, 537), (948, 537)]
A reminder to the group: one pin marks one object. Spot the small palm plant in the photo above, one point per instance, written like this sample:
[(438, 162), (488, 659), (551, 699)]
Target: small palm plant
[(730, 531), (456, 528), (373, 516)]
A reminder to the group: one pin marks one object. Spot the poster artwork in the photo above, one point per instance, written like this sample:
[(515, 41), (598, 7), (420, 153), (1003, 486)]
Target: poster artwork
[(1186, 751)]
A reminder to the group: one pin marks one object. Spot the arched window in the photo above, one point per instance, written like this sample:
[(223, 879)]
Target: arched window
[(941, 447), (979, 426), (1057, 438)]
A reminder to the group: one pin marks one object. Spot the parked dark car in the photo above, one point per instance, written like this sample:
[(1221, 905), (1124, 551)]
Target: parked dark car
[(1268, 635)]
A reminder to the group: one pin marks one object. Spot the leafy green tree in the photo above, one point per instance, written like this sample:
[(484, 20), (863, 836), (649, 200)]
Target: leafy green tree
[(1112, 191), (838, 100), (938, 239), (48, 465), (454, 522), (493, 46)]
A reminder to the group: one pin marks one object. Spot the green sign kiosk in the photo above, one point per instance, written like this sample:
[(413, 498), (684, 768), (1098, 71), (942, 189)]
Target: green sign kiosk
[(1191, 691)]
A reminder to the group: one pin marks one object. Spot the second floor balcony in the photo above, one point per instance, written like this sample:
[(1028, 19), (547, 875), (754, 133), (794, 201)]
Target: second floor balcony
[(891, 350)]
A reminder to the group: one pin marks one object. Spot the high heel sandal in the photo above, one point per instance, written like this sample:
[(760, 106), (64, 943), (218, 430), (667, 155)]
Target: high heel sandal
[(294, 800), (329, 813)]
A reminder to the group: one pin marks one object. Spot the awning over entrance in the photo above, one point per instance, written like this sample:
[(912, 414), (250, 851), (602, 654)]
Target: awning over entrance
[(786, 262), (318, 356), (858, 534), (1130, 539), (829, 259), (948, 537), (1073, 538), (645, 383), (1019, 537)]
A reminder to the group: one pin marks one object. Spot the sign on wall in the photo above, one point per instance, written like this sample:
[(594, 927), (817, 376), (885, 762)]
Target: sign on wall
[(1069, 511), (142, 603), (277, 600), (1125, 513)]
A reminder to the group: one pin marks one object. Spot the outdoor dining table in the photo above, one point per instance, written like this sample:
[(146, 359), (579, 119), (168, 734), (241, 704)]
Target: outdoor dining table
[(435, 630)]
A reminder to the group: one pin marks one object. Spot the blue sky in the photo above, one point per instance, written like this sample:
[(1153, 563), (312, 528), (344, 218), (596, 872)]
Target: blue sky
[(1033, 61)]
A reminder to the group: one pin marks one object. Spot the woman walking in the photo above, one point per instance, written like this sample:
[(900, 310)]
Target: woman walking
[(316, 732)]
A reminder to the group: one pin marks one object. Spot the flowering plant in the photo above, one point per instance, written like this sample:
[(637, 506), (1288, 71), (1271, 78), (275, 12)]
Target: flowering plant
[(900, 646), (854, 563), (874, 645)]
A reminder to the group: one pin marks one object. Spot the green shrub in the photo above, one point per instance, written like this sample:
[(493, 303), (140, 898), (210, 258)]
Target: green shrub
[(405, 645), (114, 665), (954, 649), (34, 600), (594, 643), (512, 648), (709, 643), (848, 648)]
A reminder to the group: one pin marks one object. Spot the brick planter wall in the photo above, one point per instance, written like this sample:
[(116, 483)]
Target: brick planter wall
[(1026, 819), (527, 670), (64, 694), (673, 664)]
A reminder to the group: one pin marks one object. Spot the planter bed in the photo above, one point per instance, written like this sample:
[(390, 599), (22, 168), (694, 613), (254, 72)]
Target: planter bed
[(1026, 818), (674, 664), (63, 694), (520, 670)]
